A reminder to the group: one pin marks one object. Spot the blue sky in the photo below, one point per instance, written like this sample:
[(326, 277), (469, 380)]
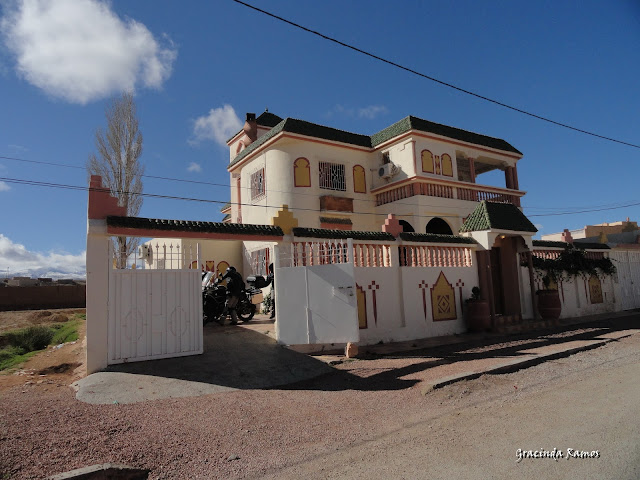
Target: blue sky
[(197, 67)]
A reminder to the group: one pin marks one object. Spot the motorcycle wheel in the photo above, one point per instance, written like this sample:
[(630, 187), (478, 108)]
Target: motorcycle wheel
[(245, 311)]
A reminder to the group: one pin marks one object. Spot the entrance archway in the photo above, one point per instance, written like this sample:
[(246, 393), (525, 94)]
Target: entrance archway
[(438, 226)]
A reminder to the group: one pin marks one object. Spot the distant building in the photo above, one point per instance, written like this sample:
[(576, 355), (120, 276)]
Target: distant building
[(591, 231)]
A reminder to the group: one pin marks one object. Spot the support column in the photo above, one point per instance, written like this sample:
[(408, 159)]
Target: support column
[(472, 170), (98, 264), (532, 285), (486, 282), (508, 177)]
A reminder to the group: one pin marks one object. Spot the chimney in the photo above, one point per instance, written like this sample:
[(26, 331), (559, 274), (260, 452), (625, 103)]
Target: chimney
[(566, 236), (251, 128)]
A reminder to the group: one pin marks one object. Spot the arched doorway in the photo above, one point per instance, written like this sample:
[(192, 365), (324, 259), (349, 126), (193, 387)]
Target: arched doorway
[(406, 226), (438, 226)]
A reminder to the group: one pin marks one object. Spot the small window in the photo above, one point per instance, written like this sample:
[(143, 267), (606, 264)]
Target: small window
[(301, 173), (427, 161), (359, 179), (385, 158), (332, 176), (257, 184)]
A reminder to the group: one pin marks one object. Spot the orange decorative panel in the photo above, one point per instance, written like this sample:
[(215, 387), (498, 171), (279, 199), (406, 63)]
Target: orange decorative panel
[(359, 179), (443, 300), (447, 165), (427, 161), (301, 173), (595, 289)]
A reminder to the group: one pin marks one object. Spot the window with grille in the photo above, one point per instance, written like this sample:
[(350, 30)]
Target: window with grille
[(332, 176), (260, 262), (257, 184)]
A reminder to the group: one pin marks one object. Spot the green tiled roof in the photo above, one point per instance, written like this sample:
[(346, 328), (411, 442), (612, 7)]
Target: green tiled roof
[(591, 245), (497, 216), (340, 221), (193, 226), (314, 130), (434, 238), (328, 233), (267, 119), (226, 217), (576, 244), (225, 206), (415, 123)]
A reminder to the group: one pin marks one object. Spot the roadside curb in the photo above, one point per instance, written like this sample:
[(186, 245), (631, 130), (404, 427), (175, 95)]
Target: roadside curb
[(514, 365)]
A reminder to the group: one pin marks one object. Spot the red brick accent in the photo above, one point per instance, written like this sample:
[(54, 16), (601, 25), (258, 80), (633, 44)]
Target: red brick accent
[(336, 204), (566, 236), (336, 226), (101, 203), (392, 225)]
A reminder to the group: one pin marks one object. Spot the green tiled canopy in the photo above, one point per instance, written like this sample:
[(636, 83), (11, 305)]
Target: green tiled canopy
[(497, 216)]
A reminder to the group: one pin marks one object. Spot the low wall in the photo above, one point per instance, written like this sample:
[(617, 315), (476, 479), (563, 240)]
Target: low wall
[(54, 296)]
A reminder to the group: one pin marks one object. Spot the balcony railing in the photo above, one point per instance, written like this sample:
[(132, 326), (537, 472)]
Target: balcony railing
[(466, 191)]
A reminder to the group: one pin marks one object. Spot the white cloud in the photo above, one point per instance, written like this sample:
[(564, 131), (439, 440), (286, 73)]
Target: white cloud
[(4, 186), (18, 148), (372, 111), (80, 50), (16, 260), (219, 125), (194, 167)]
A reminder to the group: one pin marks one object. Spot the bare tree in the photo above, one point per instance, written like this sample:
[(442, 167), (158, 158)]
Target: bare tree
[(118, 162)]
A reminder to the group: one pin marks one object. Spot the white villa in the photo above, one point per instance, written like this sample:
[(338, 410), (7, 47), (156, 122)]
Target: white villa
[(427, 174)]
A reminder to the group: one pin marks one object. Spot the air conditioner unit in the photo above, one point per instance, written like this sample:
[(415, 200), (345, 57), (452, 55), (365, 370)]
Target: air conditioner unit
[(145, 252), (387, 170)]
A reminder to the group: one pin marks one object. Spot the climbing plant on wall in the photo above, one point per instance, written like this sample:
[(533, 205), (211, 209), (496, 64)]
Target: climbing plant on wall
[(572, 262)]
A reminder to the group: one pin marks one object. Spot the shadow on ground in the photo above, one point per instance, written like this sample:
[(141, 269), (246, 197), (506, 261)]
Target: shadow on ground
[(246, 358)]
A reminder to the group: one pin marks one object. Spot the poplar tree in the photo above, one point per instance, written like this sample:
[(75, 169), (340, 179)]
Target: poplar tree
[(117, 161)]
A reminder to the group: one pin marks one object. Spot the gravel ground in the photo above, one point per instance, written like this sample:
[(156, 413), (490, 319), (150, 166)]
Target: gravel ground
[(44, 430)]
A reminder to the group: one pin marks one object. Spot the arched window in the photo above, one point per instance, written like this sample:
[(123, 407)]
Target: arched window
[(427, 161), (447, 165), (301, 173), (438, 226), (359, 180), (406, 226)]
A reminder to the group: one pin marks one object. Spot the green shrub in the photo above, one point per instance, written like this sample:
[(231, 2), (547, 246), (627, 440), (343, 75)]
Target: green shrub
[(31, 338), (66, 332), (10, 356)]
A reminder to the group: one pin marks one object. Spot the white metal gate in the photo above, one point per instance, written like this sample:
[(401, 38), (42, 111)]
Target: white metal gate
[(155, 313), (628, 277), (315, 293)]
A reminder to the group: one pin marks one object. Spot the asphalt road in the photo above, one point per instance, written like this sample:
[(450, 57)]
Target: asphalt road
[(588, 410)]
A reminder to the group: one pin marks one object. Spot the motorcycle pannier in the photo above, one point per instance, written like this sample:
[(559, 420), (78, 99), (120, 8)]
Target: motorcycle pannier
[(257, 281)]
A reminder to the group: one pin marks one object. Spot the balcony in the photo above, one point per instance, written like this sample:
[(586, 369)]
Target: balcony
[(447, 189)]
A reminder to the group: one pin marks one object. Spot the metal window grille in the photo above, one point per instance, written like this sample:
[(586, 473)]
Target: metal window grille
[(259, 261), (257, 184), (332, 176)]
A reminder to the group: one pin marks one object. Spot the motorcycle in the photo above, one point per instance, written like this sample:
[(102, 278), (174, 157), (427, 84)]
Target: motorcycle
[(214, 297)]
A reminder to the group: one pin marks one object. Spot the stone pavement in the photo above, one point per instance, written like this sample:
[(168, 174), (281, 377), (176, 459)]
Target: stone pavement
[(247, 357)]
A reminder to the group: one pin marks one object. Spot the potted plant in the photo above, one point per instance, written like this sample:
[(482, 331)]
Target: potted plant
[(549, 305), (477, 313)]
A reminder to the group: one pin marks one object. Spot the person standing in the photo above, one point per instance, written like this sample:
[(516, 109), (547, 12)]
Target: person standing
[(272, 281), (235, 287)]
